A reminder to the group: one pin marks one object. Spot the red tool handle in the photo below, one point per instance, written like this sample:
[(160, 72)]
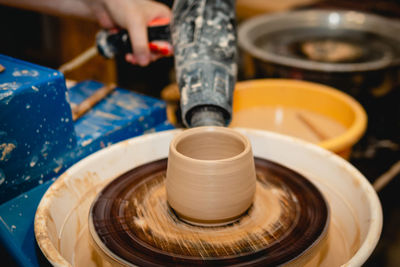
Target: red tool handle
[(113, 42)]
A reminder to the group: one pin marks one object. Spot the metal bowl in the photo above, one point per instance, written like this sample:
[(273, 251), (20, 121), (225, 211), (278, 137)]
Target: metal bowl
[(275, 43)]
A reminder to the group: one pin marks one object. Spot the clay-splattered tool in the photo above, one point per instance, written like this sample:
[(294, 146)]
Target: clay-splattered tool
[(110, 43)]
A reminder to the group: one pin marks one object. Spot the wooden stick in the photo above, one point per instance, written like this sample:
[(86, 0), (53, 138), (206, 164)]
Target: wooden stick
[(312, 127), (88, 103), (79, 60), (385, 178)]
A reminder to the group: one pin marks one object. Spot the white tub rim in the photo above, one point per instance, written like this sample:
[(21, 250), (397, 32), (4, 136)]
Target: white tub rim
[(358, 259)]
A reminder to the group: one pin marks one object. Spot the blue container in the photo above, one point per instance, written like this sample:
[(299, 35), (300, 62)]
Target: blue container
[(39, 140), (36, 127)]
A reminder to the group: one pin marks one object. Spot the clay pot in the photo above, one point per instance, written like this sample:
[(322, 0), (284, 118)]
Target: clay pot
[(210, 175)]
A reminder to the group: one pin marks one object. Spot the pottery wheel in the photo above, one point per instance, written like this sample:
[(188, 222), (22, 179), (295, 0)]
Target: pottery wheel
[(131, 222)]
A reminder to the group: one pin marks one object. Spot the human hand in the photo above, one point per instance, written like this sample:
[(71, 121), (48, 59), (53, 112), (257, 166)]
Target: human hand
[(134, 16)]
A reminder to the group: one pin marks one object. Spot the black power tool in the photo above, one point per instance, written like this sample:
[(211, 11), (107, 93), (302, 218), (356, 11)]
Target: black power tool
[(203, 34)]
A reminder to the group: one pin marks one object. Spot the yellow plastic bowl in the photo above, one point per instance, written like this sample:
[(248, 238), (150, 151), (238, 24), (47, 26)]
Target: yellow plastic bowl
[(314, 97)]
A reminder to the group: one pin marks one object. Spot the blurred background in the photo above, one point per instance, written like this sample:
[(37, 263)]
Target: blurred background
[(51, 41)]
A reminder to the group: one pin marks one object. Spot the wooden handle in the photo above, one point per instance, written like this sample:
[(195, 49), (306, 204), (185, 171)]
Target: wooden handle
[(312, 127), (79, 60), (385, 178), (91, 101)]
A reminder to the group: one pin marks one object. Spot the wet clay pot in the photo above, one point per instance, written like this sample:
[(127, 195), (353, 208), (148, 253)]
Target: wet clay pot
[(211, 175)]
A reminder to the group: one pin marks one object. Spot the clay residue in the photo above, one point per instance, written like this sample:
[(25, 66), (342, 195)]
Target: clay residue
[(5, 150), (9, 86), (25, 73), (87, 254), (5, 95), (336, 251), (46, 234), (300, 123), (106, 115), (264, 223), (331, 51), (80, 185), (129, 102)]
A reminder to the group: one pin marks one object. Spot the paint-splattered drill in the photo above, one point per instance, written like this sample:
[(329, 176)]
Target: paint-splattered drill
[(204, 39)]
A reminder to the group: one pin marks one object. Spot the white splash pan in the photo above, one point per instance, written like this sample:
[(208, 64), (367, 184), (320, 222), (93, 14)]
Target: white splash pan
[(63, 210)]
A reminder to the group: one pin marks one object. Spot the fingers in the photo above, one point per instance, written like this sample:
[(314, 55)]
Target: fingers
[(137, 29), (151, 11), (135, 16), (157, 11), (131, 59), (155, 57), (158, 50), (103, 17)]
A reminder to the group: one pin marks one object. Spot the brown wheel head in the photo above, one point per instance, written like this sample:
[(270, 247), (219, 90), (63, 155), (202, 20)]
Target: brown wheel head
[(131, 222)]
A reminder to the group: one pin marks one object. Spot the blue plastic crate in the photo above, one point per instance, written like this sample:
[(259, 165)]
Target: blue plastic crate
[(35, 98), (36, 127)]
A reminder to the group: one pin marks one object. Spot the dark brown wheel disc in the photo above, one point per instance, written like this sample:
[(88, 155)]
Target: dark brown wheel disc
[(131, 222)]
